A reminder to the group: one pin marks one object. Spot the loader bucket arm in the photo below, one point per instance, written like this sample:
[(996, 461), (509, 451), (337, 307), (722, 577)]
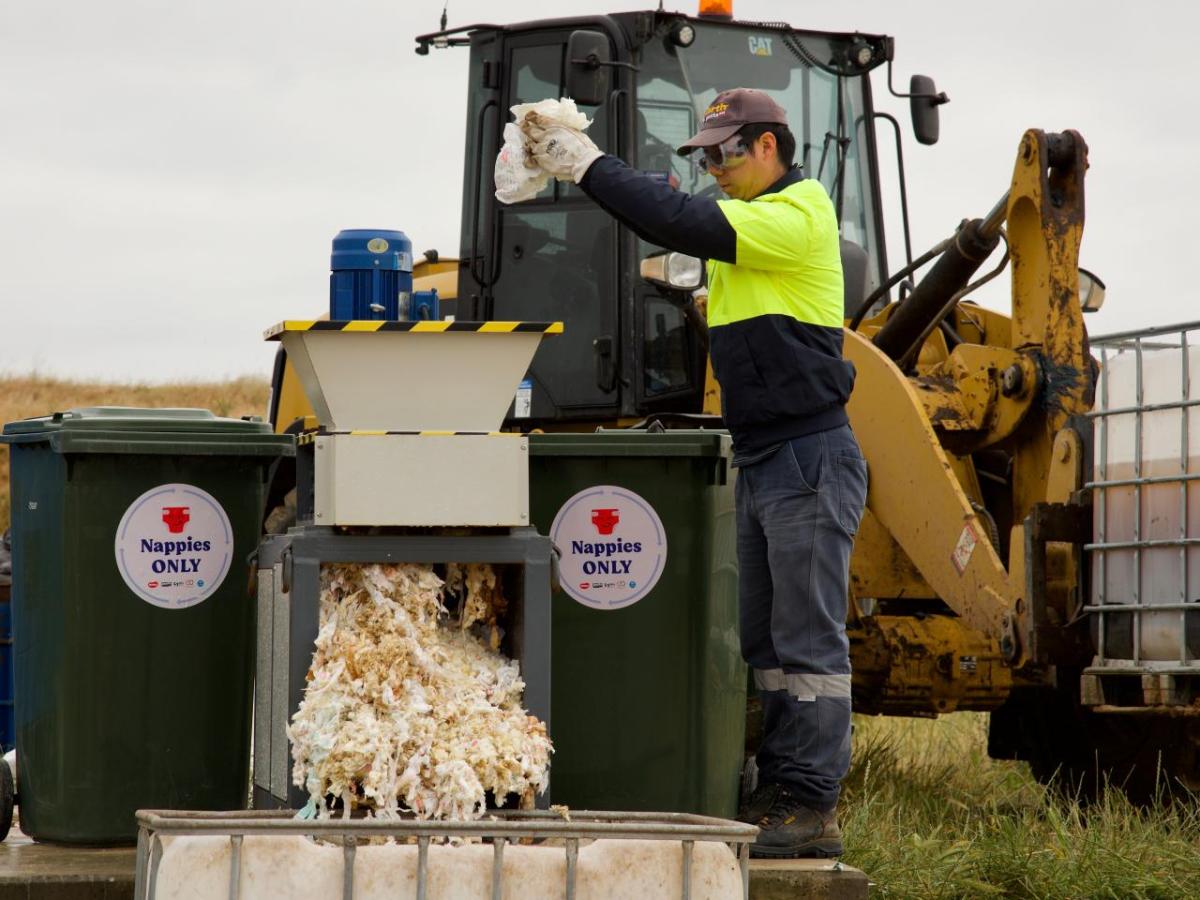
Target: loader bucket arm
[(1045, 227), (1018, 389), (917, 498)]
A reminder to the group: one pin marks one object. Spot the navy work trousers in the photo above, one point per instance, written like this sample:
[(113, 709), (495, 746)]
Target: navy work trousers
[(797, 513)]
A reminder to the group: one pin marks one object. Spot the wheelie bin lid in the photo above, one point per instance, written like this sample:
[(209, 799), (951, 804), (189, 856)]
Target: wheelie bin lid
[(632, 442), (118, 429)]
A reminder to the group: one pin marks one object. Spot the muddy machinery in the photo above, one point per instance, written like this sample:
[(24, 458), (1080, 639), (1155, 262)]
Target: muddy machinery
[(971, 575)]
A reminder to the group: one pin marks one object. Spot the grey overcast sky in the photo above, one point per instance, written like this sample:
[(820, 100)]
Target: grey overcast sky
[(172, 173)]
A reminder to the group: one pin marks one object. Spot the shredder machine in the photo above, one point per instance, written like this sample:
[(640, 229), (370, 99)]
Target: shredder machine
[(404, 463)]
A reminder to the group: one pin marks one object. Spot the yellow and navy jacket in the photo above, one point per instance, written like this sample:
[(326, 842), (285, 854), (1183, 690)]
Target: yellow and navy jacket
[(774, 295)]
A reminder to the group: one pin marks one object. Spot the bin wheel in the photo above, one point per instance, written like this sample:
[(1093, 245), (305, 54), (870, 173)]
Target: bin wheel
[(7, 799), (749, 780)]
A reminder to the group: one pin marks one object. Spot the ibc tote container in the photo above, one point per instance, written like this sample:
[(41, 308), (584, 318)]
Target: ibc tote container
[(1145, 555)]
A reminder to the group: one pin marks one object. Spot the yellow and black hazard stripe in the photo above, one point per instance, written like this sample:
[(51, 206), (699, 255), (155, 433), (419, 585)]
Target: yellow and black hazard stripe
[(310, 436), (421, 327), (373, 433)]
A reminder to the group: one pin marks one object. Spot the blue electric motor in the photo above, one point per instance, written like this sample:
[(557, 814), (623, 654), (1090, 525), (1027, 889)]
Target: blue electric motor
[(371, 278)]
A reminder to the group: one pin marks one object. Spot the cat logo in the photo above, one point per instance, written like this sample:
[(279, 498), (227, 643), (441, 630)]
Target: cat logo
[(760, 46)]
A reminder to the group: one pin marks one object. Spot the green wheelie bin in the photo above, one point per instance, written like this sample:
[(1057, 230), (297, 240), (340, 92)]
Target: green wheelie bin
[(649, 687), (132, 623)]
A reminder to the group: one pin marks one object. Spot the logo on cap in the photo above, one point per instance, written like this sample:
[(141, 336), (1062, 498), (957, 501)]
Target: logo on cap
[(715, 111)]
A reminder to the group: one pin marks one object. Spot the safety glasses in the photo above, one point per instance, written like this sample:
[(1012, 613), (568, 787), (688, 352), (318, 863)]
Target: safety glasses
[(723, 156)]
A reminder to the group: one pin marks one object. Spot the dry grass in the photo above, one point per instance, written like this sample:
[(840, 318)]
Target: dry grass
[(21, 398)]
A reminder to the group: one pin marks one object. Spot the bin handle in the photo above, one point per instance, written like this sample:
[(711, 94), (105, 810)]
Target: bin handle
[(286, 565), (555, 567), (252, 574)]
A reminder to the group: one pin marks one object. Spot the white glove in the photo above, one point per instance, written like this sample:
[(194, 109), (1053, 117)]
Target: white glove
[(563, 152)]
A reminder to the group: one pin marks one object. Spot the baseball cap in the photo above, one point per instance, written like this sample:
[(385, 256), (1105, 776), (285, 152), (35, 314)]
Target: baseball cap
[(728, 112)]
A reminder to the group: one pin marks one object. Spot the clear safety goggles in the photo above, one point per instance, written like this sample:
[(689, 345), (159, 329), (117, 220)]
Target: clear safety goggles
[(728, 154)]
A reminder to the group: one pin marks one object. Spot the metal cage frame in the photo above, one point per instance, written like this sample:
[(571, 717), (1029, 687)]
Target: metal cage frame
[(501, 828), (1168, 337)]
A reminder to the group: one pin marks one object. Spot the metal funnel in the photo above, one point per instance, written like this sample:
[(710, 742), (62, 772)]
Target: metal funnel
[(411, 376)]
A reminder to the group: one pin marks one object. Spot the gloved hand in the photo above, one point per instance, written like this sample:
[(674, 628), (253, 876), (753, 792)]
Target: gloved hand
[(563, 152)]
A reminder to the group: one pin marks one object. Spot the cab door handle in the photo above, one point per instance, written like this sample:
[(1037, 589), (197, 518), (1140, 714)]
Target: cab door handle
[(606, 371)]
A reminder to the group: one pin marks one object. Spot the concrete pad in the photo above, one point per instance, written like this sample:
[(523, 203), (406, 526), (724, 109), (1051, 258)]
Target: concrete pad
[(818, 879), (34, 871)]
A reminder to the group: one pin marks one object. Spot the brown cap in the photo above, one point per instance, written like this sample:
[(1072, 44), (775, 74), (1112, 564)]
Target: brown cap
[(729, 111)]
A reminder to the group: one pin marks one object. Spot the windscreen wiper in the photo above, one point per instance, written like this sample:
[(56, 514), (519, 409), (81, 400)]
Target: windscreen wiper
[(842, 143)]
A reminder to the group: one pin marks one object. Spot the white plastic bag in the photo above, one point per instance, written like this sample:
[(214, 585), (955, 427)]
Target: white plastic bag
[(518, 176)]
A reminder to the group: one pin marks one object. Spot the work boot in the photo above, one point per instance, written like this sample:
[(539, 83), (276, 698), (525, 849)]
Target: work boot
[(792, 829), (758, 804)]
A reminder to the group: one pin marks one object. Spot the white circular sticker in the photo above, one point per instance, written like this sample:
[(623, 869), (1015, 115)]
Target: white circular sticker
[(174, 546), (612, 547)]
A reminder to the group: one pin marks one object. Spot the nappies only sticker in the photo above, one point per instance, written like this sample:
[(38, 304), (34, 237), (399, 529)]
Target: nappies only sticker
[(612, 547), (174, 546)]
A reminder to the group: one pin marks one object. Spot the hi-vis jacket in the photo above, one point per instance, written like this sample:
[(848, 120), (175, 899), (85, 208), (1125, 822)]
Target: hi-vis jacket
[(774, 295)]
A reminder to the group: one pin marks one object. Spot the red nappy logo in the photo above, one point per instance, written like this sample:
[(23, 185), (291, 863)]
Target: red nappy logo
[(605, 520), (176, 517)]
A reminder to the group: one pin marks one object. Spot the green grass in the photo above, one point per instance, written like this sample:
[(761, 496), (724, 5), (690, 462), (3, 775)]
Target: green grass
[(927, 814)]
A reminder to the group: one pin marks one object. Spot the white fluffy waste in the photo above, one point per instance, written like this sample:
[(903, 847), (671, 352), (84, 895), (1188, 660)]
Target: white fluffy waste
[(197, 868), (518, 176), (405, 707)]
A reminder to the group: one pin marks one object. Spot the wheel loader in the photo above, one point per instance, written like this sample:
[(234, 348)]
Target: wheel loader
[(976, 569)]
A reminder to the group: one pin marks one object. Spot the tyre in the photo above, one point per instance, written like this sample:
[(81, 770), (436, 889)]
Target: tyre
[(8, 797)]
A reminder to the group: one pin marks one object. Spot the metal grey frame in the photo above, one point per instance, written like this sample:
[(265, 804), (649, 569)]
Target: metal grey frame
[(289, 572), (1167, 337), (507, 826)]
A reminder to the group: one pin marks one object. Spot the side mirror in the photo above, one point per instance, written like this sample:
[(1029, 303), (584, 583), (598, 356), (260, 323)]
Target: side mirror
[(673, 270), (1091, 291), (924, 102), (587, 74)]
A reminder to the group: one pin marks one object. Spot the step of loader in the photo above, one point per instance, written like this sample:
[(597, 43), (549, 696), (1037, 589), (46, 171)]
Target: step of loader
[(811, 879)]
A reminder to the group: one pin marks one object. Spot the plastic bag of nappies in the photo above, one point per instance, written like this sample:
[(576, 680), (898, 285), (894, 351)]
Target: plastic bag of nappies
[(518, 177)]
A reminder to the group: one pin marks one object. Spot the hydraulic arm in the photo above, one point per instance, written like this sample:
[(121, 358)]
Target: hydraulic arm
[(944, 387)]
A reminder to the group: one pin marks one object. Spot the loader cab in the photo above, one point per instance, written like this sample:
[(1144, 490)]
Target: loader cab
[(631, 349)]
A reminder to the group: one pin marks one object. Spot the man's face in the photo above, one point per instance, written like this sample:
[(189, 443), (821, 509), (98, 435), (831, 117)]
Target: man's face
[(743, 172)]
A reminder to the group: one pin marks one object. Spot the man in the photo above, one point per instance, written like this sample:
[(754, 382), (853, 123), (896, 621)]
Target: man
[(775, 336)]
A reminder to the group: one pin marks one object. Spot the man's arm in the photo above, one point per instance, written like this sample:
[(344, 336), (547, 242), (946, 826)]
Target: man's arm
[(659, 213)]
